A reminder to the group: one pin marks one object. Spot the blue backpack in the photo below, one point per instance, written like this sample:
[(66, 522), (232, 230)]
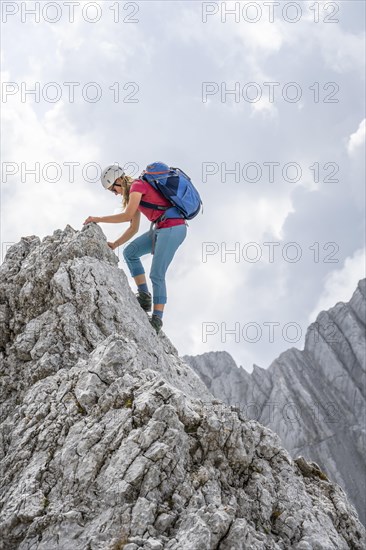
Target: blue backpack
[(176, 187)]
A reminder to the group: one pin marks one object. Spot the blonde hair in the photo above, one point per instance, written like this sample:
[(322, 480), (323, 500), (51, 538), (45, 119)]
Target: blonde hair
[(127, 181)]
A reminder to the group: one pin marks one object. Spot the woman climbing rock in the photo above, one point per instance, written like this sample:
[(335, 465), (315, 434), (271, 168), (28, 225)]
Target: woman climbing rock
[(168, 225)]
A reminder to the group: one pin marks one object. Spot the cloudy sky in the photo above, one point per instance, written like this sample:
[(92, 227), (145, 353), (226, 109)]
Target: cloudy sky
[(263, 107)]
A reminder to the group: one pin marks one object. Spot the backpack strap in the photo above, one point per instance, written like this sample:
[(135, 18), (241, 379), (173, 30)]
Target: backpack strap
[(146, 204), (159, 207)]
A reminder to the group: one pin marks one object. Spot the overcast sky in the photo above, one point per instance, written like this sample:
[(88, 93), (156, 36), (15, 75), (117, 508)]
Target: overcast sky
[(279, 161)]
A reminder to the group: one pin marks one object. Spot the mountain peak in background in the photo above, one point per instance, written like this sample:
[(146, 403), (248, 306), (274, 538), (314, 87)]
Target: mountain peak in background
[(111, 441), (314, 399)]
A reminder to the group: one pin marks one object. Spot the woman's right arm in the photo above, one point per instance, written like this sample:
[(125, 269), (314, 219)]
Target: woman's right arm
[(129, 233)]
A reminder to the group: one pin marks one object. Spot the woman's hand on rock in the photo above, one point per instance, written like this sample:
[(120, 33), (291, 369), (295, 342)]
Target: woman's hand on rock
[(113, 246), (91, 219)]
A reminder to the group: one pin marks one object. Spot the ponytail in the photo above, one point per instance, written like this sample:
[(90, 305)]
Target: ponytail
[(127, 181)]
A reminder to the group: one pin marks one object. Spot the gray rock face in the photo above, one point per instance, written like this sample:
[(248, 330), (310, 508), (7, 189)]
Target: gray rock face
[(109, 440), (313, 399)]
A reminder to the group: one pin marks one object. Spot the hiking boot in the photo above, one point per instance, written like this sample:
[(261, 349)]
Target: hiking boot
[(144, 299), (156, 323)]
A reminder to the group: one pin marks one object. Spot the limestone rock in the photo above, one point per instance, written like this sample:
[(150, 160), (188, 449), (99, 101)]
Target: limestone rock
[(109, 440)]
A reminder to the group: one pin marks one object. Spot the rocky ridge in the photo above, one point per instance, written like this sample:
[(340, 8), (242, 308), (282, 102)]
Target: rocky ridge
[(109, 440)]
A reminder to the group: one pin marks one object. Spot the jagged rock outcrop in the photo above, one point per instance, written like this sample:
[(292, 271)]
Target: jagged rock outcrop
[(313, 399), (110, 441)]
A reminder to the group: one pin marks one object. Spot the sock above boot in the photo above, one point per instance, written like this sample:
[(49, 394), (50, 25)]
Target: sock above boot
[(158, 313), (143, 288)]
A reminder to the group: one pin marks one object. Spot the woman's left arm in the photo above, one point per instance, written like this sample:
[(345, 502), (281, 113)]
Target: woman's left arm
[(125, 216)]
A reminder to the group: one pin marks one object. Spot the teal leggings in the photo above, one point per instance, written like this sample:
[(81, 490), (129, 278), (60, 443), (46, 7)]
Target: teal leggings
[(167, 240)]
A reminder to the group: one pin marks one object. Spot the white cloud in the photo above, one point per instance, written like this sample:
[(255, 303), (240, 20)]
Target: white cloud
[(341, 50), (357, 139), (39, 207), (339, 285)]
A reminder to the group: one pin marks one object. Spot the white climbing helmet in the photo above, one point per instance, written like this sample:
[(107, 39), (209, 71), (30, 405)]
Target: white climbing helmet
[(110, 174)]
